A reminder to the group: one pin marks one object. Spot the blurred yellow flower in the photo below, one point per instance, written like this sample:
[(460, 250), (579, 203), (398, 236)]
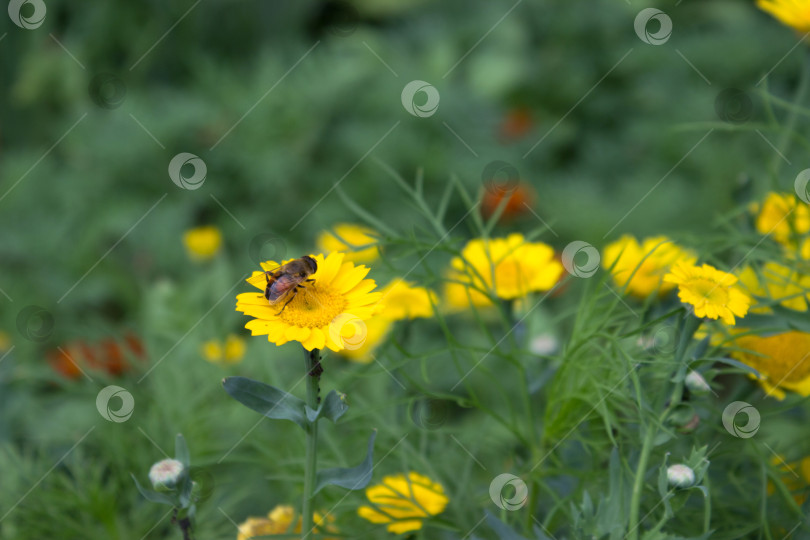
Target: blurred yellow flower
[(231, 352), (327, 312), (404, 502), (645, 264), (792, 13), (202, 243), (781, 215), (777, 283), (782, 360), (402, 300), (376, 330), (212, 351), (5, 342), (279, 521), (353, 240), (507, 268), (710, 291)]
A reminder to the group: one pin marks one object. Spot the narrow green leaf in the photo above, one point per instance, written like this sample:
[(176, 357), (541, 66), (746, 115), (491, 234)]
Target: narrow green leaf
[(267, 400), (181, 450), (153, 496), (349, 478), (333, 406)]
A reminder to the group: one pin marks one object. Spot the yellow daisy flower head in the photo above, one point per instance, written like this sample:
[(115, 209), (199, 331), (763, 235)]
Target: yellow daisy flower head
[(377, 329), (357, 242), (710, 291), (778, 283), (782, 360), (202, 243), (781, 215), (404, 502), (792, 13), (280, 521), (403, 300), (327, 312), (507, 268), (641, 266)]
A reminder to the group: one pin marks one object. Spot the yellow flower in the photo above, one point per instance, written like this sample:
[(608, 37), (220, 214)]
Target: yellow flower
[(404, 502), (5, 342), (793, 13), (782, 360), (327, 312), (202, 243), (230, 353), (782, 214), (279, 521), (710, 291), (508, 268), (645, 264), (777, 283), (212, 351), (401, 300), (234, 349), (376, 330), (354, 240)]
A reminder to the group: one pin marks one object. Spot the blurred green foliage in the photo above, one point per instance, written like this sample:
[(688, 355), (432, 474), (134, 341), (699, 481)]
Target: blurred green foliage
[(283, 100)]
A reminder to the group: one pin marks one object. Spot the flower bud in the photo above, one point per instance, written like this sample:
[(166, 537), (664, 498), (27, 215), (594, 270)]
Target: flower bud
[(696, 383), (680, 476), (165, 474)]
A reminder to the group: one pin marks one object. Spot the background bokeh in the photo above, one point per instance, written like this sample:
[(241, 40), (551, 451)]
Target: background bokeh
[(283, 101)]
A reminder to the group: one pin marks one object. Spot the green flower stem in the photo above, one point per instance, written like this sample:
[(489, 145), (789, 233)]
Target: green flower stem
[(313, 375), (790, 124), (688, 329)]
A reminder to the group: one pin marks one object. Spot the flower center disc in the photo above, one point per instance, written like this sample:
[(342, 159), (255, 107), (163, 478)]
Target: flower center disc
[(711, 291), (313, 307)]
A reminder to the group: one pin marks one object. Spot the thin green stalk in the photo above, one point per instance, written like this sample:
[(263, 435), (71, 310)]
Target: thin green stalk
[(638, 484), (690, 325), (790, 125), (313, 370)]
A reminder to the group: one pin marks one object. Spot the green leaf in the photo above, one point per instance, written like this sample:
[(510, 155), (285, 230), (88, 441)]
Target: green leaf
[(332, 407), (267, 400), (350, 478), (181, 451), (154, 496)]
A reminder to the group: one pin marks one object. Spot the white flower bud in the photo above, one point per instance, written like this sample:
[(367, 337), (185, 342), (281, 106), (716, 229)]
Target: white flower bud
[(696, 383), (166, 473), (680, 476)]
